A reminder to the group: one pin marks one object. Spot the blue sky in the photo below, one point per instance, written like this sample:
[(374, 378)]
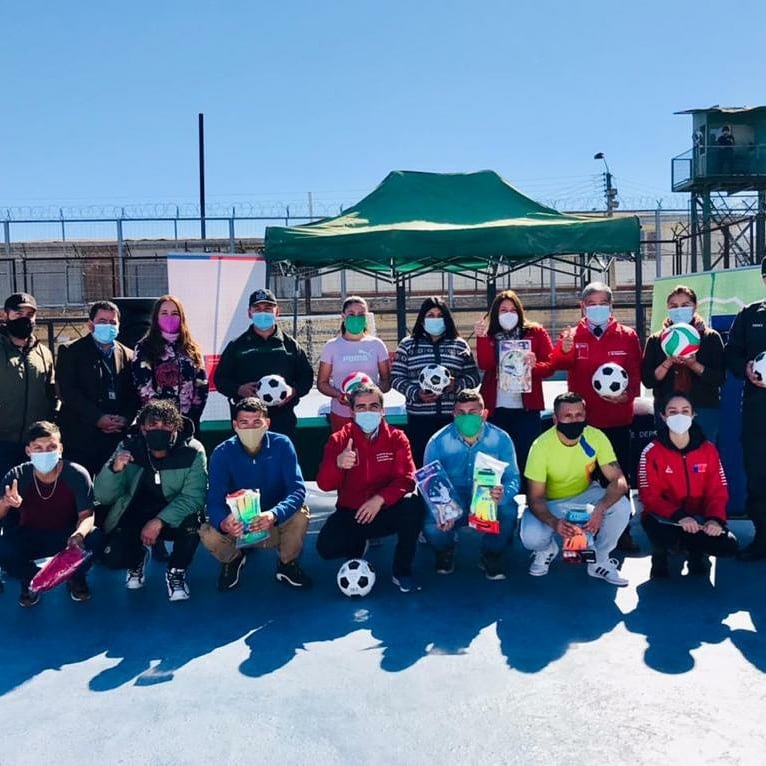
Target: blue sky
[(100, 100)]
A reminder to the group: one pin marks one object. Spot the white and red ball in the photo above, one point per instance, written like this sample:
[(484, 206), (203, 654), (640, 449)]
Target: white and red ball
[(680, 340), (354, 380)]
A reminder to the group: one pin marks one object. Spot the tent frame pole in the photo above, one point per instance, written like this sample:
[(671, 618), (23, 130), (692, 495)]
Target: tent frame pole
[(640, 329), (401, 306)]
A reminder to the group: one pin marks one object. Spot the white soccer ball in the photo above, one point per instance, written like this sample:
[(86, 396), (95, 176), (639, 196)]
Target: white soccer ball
[(434, 378), (759, 367), (356, 578), (610, 380), (272, 390)]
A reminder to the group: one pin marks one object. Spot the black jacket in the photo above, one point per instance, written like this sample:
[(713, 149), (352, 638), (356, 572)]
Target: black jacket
[(747, 338)]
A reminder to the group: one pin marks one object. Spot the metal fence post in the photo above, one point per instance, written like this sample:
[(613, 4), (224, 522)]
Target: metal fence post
[(658, 241), (120, 259), (7, 237), (231, 231), (63, 225)]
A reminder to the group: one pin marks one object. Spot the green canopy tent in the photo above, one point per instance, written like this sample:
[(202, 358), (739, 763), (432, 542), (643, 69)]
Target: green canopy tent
[(466, 223)]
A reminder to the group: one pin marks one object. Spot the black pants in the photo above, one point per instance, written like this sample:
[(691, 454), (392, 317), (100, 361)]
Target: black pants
[(343, 537), (753, 425), (420, 428), (124, 549), (20, 546), (664, 536), (619, 436), (523, 426)]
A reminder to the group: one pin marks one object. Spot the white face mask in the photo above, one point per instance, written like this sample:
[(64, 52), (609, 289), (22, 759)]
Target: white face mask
[(679, 424), (508, 320)]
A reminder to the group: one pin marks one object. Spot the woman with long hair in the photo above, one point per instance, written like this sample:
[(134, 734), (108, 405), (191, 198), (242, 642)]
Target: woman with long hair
[(434, 340), (353, 350), (516, 412), (168, 362)]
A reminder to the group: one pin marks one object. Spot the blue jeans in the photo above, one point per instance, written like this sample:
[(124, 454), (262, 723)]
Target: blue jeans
[(507, 515), (709, 420)]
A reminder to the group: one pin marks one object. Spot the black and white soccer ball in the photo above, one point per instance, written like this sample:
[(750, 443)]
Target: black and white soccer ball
[(356, 578), (759, 367), (610, 380), (434, 378), (272, 390)]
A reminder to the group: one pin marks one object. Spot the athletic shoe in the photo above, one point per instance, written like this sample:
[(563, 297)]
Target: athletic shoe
[(445, 561), (135, 577), (492, 564), (608, 571), (78, 589), (175, 579), (228, 579), (660, 568), (292, 574), (28, 597), (405, 582), (541, 560), (698, 564)]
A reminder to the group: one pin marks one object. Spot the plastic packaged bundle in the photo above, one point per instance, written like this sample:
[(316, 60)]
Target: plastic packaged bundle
[(487, 474), (245, 506), (62, 567), (438, 492)]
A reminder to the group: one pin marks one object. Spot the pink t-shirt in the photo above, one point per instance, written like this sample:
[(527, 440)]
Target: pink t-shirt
[(347, 356)]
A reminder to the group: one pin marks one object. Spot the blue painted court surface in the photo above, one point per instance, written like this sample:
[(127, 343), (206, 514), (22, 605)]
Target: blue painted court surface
[(549, 670)]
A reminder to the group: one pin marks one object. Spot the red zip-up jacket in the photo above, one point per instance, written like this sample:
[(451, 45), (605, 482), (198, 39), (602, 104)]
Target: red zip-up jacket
[(486, 358), (674, 483), (618, 344), (384, 466)]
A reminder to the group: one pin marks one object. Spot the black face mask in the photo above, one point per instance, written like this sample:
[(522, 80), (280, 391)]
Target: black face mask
[(158, 440), (21, 327), (571, 430)]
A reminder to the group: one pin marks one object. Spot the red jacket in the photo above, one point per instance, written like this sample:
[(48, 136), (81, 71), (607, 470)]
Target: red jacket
[(618, 344), (486, 358), (674, 483), (384, 466)]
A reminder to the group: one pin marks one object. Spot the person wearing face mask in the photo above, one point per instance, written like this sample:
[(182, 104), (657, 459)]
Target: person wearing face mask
[(354, 350), (265, 349), (518, 414), (27, 391), (683, 490), (153, 489), (597, 339), (256, 458), (370, 466), (168, 363), (559, 473), (434, 340), (701, 375), (95, 385), (455, 446), (47, 504)]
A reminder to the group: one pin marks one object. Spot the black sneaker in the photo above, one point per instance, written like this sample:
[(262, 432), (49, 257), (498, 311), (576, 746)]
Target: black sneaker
[(292, 574), (698, 564), (445, 561), (660, 569), (28, 597), (78, 589), (492, 564), (228, 579), (175, 579)]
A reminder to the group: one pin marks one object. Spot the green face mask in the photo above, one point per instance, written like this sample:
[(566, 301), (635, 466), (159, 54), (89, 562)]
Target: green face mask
[(469, 425), (355, 325)]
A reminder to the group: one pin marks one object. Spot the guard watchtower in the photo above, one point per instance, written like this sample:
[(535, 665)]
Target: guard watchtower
[(728, 156)]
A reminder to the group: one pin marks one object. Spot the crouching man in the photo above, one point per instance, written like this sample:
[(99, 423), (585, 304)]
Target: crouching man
[(155, 486)]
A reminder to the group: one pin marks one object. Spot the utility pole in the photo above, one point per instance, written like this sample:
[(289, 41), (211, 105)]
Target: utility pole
[(610, 192)]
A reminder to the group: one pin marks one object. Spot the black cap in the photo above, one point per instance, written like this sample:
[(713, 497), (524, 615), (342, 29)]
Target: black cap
[(18, 300), (763, 267), (264, 295)]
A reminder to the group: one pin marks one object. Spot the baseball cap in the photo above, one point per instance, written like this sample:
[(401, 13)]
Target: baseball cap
[(18, 300), (264, 295)]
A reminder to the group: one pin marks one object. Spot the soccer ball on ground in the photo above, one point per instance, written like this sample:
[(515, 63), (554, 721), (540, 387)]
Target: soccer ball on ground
[(353, 381), (680, 340), (759, 367), (434, 378), (272, 390), (610, 380), (356, 577)]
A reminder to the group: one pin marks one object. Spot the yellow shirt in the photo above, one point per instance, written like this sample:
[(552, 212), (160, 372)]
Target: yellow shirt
[(567, 471)]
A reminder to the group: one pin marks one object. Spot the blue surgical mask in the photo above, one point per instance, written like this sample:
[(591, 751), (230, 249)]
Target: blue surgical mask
[(105, 334), (681, 315), (263, 320), (368, 421), (434, 326), (598, 315), (45, 462)]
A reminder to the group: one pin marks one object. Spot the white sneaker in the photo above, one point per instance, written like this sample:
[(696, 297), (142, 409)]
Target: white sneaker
[(541, 560), (608, 571), (178, 590), (135, 577)]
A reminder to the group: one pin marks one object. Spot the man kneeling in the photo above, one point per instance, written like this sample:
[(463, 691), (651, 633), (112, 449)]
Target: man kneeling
[(47, 506), (256, 458), (155, 484), (559, 470)]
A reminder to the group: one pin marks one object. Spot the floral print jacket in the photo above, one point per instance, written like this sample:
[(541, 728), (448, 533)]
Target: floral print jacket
[(174, 376)]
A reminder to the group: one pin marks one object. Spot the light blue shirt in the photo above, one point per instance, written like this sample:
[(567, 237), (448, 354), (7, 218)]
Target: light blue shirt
[(457, 457)]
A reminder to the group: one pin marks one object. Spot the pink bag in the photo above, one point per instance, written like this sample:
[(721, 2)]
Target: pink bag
[(60, 568)]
